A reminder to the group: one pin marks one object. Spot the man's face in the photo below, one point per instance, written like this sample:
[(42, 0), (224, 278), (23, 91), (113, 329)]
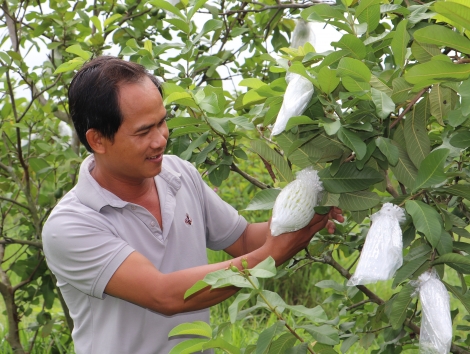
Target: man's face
[(137, 150)]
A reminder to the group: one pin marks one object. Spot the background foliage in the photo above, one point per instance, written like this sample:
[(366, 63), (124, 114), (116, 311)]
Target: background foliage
[(388, 122)]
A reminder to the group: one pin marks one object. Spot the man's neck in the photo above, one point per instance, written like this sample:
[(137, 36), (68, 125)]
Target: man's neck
[(134, 191)]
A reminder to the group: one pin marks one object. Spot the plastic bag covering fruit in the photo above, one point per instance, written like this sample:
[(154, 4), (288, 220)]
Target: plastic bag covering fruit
[(299, 89), (382, 253), (293, 208), (436, 324)]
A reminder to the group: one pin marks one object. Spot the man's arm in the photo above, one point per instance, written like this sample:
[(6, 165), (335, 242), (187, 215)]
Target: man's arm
[(139, 282), (254, 235)]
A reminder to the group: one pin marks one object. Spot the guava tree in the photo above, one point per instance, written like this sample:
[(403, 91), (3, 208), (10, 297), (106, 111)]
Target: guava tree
[(388, 122)]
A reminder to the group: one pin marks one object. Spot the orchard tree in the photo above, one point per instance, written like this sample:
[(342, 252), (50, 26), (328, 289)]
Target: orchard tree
[(387, 122)]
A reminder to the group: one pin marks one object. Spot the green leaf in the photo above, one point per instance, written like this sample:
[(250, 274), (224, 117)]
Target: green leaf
[(267, 336), (401, 90), (220, 343), (186, 155), (330, 284), (219, 174), (183, 98), (437, 71), (353, 44), (111, 19), (388, 149), (442, 36), (330, 199), (167, 6), (451, 259), (188, 130), (347, 343), (298, 120), (182, 122), (400, 306), (356, 201), (408, 269), (356, 86), (264, 269), (352, 141), (461, 140), (200, 284), (237, 304), (301, 348), (353, 68), (189, 346), (69, 66), (235, 280), (400, 43), (253, 83), (324, 334), (209, 26), (264, 199), (445, 244), (464, 299), (458, 13), (316, 314), (417, 140), (424, 52), (349, 178), (198, 328), (180, 24), (368, 11), (327, 79), (405, 171), (462, 190), (426, 220), (383, 103), (96, 21), (283, 343), (77, 50), (278, 162), (440, 98), (431, 170)]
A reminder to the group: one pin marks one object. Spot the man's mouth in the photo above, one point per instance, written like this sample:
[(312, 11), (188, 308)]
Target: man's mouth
[(154, 157)]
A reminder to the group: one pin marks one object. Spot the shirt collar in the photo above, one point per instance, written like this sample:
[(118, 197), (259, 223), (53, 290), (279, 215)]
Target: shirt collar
[(96, 197)]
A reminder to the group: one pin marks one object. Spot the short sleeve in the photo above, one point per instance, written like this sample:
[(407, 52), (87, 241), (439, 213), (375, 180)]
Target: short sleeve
[(82, 250)]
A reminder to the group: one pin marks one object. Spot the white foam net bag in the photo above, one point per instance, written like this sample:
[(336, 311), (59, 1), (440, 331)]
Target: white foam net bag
[(382, 253), (436, 325), (299, 89), (293, 208)]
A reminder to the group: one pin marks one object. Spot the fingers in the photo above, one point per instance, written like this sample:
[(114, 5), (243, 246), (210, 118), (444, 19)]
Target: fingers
[(336, 214), (330, 227)]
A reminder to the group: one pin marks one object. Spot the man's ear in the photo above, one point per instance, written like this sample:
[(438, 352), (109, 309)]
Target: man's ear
[(96, 141)]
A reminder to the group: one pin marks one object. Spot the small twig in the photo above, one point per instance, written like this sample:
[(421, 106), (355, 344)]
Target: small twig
[(11, 241), (360, 303), (249, 178), (413, 101), (390, 187)]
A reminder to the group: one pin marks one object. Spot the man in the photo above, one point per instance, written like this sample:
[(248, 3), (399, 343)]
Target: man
[(130, 238)]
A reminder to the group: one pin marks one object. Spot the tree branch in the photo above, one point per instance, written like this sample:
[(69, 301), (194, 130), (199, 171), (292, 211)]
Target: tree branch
[(280, 6), (413, 101), (15, 202), (249, 178), (11, 241), (328, 259)]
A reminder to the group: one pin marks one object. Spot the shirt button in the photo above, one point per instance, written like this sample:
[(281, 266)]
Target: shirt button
[(133, 207), (152, 223)]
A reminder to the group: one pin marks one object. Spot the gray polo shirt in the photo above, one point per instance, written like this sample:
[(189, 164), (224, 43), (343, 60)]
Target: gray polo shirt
[(91, 232)]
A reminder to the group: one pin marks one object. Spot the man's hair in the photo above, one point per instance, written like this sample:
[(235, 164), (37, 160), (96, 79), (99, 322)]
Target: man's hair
[(94, 95)]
